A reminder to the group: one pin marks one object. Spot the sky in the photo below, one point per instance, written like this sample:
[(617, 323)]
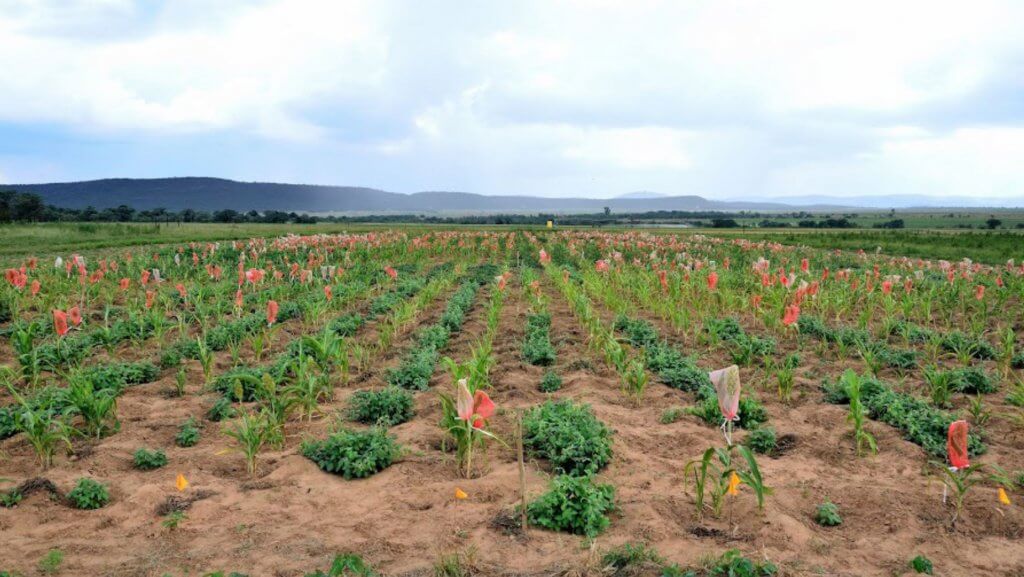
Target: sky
[(725, 99)]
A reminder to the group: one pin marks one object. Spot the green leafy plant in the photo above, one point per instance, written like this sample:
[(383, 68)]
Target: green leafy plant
[(857, 414), (569, 436), (96, 407), (671, 415), (574, 505), (958, 483), (180, 380), (250, 432), (920, 421), (88, 494), (762, 440), (827, 515), (732, 563), (550, 382), (188, 435), (631, 559), (634, 381), (347, 565), (353, 454), (41, 423), (922, 565), (173, 519), (221, 410), (716, 473), (537, 347), (386, 407), (51, 562), (146, 460)]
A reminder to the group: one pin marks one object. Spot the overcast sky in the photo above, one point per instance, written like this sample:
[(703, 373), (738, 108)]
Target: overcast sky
[(723, 99)]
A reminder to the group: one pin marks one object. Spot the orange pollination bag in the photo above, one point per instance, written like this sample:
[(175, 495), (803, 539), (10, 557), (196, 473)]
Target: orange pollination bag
[(956, 445)]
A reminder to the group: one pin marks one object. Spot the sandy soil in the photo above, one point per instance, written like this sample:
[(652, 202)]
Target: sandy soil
[(294, 518)]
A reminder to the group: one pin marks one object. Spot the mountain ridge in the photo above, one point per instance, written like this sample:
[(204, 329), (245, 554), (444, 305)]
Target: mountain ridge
[(212, 193)]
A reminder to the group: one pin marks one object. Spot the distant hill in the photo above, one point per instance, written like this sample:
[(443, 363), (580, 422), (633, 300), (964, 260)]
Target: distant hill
[(210, 194), (642, 194)]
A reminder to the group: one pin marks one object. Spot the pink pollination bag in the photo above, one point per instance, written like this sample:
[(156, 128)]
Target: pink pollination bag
[(727, 387)]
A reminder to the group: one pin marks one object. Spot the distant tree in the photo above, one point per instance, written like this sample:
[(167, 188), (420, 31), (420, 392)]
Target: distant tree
[(124, 213), (993, 223), (895, 223), (28, 207), (724, 223), (607, 211), (275, 217), (187, 215), (6, 202), (226, 215)]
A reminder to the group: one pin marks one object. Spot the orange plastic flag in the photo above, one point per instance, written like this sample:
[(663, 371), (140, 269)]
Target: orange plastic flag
[(734, 484), (460, 494), (1003, 498), (181, 483)]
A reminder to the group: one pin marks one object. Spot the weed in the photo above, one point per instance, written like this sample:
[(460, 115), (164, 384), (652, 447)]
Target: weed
[(88, 494)]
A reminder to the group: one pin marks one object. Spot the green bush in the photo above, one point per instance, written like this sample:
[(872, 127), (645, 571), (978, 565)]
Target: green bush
[(639, 332), (1017, 361), (671, 415), (537, 347), (385, 407), (146, 460), (972, 381), (353, 454), (10, 498), (550, 383), (569, 436), (240, 384), (221, 410), (674, 369), (732, 563), (574, 505), (727, 329), (921, 564), (827, 515), (415, 370), (762, 440), (188, 434), (348, 565), (346, 325), (89, 494), (979, 349), (117, 376), (631, 559)]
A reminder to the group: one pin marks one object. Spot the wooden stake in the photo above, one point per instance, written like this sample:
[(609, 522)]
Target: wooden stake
[(522, 470)]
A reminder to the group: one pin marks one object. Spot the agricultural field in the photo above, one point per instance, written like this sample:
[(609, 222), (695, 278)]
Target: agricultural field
[(422, 401)]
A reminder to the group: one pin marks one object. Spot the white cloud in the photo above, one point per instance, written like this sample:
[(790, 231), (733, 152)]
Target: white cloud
[(251, 74), (641, 148), (982, 162), (714, 97)]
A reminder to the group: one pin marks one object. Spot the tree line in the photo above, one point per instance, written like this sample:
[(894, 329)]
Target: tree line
[(29, 207)]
